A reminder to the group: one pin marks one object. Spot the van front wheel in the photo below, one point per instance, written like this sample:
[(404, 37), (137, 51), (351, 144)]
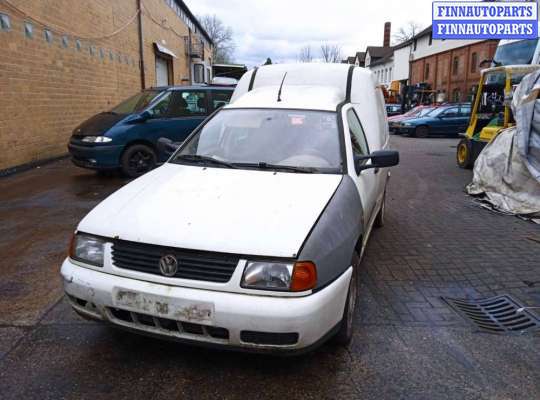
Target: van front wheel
[(346, 329), (137, 160)]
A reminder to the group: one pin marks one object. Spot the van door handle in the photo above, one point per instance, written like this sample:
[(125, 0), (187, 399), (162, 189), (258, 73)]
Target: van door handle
[(376, 170)]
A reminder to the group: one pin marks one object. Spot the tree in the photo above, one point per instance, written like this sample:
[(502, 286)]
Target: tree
[(268, 61), (406, 32), (305, 55), (221, 35), (331, 53)]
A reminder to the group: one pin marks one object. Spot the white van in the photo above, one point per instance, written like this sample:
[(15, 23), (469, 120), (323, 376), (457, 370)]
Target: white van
[(251, 235)]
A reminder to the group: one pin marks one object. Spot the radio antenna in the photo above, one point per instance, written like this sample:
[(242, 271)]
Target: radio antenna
[(281, 87)]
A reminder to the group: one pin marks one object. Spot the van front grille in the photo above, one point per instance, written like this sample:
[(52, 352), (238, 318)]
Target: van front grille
[(192, 264)]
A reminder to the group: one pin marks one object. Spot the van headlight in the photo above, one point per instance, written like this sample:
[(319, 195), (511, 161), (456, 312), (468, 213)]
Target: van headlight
[(88, 249), (283, 276), (96, 139)]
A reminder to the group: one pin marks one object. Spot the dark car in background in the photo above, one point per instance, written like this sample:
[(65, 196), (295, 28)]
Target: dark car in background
[(126, 137), (445, 120), (416, 112), (393, 109)]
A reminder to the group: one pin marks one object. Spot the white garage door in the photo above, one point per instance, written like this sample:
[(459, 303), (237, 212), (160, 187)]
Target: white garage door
[(162, 72)]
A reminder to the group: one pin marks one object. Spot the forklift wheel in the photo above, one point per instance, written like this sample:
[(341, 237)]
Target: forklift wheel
[(464, 154)]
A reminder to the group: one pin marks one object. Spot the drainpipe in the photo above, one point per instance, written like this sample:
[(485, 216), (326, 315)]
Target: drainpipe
[(188, 58), (141, 44)]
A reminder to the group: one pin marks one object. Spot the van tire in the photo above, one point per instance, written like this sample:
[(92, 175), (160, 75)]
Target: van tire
[(421, 132), (137, 160), (346, 330)]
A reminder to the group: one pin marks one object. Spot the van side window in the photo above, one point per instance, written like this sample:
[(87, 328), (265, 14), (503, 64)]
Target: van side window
[(220, 98), (358, 138), (161, 108), (188, 103)]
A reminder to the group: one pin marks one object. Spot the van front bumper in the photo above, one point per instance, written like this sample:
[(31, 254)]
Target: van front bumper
[(96, 157), (206, 317)]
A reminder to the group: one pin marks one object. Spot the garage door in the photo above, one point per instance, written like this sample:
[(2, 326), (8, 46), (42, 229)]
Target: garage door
[(162, 72)]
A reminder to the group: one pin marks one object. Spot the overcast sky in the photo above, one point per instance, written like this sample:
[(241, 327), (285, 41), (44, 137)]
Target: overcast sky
[(279, 28)]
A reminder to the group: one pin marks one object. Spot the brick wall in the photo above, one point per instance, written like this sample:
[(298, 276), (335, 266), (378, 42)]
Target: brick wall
[(455, 83), (48, 88)]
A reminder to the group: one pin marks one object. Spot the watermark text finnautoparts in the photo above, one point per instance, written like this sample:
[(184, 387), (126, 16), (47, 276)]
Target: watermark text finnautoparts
[(481, 20)]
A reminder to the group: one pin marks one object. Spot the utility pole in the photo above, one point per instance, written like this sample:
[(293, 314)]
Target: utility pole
[(141, 45)]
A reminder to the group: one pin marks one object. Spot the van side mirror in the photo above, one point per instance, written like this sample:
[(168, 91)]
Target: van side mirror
[(167, 146), (379, 159)]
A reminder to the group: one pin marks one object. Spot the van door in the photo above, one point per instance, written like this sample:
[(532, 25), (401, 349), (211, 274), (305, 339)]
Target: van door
[(367, 180), (187, 110)]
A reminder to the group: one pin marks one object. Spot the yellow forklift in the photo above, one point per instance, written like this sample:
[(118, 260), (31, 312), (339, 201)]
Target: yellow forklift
[(491, 110)]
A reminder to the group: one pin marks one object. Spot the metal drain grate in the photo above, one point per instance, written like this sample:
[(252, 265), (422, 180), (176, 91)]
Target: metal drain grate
[(497, 314)]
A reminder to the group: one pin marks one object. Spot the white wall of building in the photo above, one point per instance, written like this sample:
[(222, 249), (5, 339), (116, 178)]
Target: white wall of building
[(401, 63), (424, 49), (384, 72)]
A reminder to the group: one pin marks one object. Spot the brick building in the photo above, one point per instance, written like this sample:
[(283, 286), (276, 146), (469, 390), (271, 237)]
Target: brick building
[(62, 61), (452, 68)]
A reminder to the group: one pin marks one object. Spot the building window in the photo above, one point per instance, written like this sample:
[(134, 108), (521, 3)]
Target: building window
[(474, 62), (65, 41), (426, 72), (78, 45), (92, 50), (5, 23), (455, 65), (415, 42), (456, 95), (198, 73), (28, 30), (48, 35)]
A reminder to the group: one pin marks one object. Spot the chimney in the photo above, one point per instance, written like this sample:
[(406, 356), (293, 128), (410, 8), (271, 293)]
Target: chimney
[(387, 29)]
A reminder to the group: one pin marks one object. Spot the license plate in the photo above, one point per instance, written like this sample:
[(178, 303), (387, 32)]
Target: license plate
[(166, 307)]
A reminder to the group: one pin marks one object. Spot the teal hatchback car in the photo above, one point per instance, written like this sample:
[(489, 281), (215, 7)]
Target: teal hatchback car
[(445, 120), (126, 137)]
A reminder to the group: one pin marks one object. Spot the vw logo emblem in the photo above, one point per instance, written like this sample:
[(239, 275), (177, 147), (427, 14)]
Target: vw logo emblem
[(168, 265)]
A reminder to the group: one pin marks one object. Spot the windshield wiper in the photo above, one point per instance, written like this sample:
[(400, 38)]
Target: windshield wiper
[(203, 159), (277, 167)]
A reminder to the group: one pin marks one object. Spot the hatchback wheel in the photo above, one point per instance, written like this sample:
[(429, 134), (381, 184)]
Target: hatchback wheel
[(137, 160), (345, 333), (421, 132)]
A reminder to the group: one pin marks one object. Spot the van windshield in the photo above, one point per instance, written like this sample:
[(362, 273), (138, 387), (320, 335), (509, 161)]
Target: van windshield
[(258, 138), (136, 103), (515, 52)]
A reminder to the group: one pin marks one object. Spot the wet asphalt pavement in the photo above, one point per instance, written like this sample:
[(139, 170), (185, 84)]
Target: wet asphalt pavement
[(407, 345)]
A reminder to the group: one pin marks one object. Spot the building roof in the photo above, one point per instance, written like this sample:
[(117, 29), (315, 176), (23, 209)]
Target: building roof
[(361, 55), (194, 19), (351, 59), (379, 51), (382, 60)]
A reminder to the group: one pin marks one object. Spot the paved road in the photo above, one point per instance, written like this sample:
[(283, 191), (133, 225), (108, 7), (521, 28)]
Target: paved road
[(408, 344)]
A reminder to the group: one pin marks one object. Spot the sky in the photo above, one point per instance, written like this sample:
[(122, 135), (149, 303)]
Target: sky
[(280, 28)]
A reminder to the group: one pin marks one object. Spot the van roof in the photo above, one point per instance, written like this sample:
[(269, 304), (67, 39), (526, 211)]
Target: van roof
[(314, 86), (192, 87), (292, 97)]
